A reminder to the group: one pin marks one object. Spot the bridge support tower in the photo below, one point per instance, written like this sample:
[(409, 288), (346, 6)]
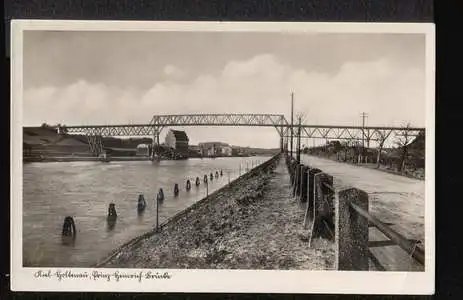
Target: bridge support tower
[(95, 143), (155, 145)]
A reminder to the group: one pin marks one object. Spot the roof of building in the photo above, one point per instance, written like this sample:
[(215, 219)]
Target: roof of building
[(180, 135)]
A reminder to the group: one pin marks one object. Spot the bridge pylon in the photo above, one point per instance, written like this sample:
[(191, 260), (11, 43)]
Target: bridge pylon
[(155, 144), (95, 143)]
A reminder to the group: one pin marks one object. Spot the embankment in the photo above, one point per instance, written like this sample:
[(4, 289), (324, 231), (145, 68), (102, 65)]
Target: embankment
[(249, 224)]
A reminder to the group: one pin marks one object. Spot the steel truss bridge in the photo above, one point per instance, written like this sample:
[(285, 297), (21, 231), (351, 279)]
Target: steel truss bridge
[(284, 128)]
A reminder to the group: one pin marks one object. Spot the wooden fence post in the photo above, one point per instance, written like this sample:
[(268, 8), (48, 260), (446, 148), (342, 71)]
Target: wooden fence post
[(296, 178), (310, 187), (303, 188), (309, 213), (299, 181), (291, 172), (351, 231), (323, 207)]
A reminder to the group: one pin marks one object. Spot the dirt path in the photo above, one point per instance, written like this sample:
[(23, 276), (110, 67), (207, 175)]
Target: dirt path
[(393, 198), (254, 226), (276, 229)]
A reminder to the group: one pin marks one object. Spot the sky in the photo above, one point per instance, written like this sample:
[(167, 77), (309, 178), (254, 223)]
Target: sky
[(97, 78)]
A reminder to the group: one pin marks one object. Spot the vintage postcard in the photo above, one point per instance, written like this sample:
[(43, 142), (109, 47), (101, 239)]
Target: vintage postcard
[(222, 157)]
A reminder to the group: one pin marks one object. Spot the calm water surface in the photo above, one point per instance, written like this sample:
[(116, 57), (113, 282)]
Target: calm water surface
[(84, 190)]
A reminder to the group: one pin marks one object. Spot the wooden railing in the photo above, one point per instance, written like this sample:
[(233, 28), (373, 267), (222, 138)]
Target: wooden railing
[(343, 217)]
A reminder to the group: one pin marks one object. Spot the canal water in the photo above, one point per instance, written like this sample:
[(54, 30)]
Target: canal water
[(84, 190), (392, 198)]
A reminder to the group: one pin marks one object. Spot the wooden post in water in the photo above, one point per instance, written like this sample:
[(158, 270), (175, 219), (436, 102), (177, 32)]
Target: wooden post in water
[(157, 214), (228, 177), (207, 188)]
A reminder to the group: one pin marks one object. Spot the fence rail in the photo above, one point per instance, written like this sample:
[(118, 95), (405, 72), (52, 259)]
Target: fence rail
[(410, 246), (343, 217)]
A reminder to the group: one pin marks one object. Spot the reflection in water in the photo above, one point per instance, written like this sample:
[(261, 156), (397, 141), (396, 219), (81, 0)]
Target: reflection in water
[(86, 190), (111, 224), (68, 240)]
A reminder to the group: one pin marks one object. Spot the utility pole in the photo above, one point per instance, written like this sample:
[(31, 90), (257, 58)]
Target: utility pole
[(292, 113), (364, 116), (299, 141)]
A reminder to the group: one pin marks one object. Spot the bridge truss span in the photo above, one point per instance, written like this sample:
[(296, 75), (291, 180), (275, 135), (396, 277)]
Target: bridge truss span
[(356, 133), (112, 130), (277, 121), (159, 122), (219, 120)]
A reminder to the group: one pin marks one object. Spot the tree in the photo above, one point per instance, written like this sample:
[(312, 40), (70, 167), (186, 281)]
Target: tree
[(357, 147), (345, 146), (61, 129), (404, 138), (382, 138)]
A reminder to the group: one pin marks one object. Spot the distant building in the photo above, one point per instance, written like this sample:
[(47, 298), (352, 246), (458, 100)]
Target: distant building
[(143, 150), (195, 149), (239, 151), (177, 140), (215, 149), (227, 151)]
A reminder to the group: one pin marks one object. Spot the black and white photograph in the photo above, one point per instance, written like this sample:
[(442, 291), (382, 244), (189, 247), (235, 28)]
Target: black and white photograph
[(181, 152)]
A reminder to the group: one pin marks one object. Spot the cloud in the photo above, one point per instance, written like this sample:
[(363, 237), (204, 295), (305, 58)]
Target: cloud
[(389, 93), (172, 72)]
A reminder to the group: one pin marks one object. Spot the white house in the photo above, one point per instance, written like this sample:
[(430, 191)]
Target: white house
[(142, 150), (227, 151), (215, 149)]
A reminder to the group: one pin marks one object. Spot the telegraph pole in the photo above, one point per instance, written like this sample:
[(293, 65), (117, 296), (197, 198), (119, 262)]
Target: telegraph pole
[(364, 116), (299, 141), (292, 112)]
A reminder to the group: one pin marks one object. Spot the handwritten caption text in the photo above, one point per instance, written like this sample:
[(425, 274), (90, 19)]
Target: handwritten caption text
[(101, 275)]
